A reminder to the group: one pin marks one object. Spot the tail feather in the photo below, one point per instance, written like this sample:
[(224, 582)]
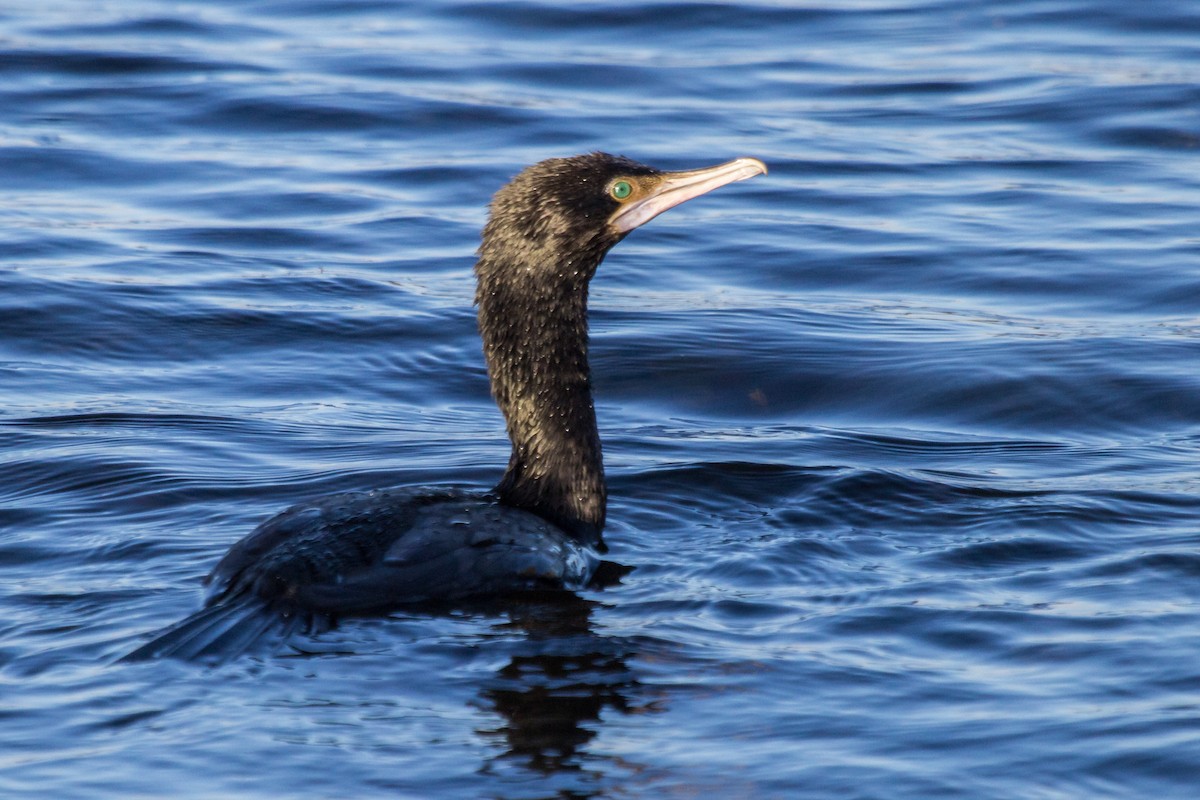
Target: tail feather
[(221, 632)]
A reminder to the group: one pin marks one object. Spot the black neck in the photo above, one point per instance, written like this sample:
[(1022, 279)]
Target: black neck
[(534, 329)]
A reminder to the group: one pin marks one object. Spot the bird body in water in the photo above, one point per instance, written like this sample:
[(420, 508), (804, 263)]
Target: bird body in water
[(540, 528)]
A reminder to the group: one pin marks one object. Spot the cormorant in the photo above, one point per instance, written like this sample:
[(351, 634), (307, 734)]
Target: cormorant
[(359, 552)]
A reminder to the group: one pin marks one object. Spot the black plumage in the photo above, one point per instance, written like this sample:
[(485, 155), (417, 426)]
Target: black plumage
[(547, 232)]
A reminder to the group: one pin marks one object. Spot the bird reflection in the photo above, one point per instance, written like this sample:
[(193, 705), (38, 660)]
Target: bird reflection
[(551, 699)]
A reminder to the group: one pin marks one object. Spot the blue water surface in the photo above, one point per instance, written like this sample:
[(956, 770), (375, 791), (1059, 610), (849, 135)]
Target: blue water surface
[(903, 439)]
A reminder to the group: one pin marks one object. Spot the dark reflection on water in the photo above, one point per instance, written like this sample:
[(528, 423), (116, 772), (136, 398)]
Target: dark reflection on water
[(902, 439), (551, 699)]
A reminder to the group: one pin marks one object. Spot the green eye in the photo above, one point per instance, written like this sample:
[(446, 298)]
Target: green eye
[(621, 189)]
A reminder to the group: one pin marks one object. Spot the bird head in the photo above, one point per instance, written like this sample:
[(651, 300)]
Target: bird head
[(562, 215)]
